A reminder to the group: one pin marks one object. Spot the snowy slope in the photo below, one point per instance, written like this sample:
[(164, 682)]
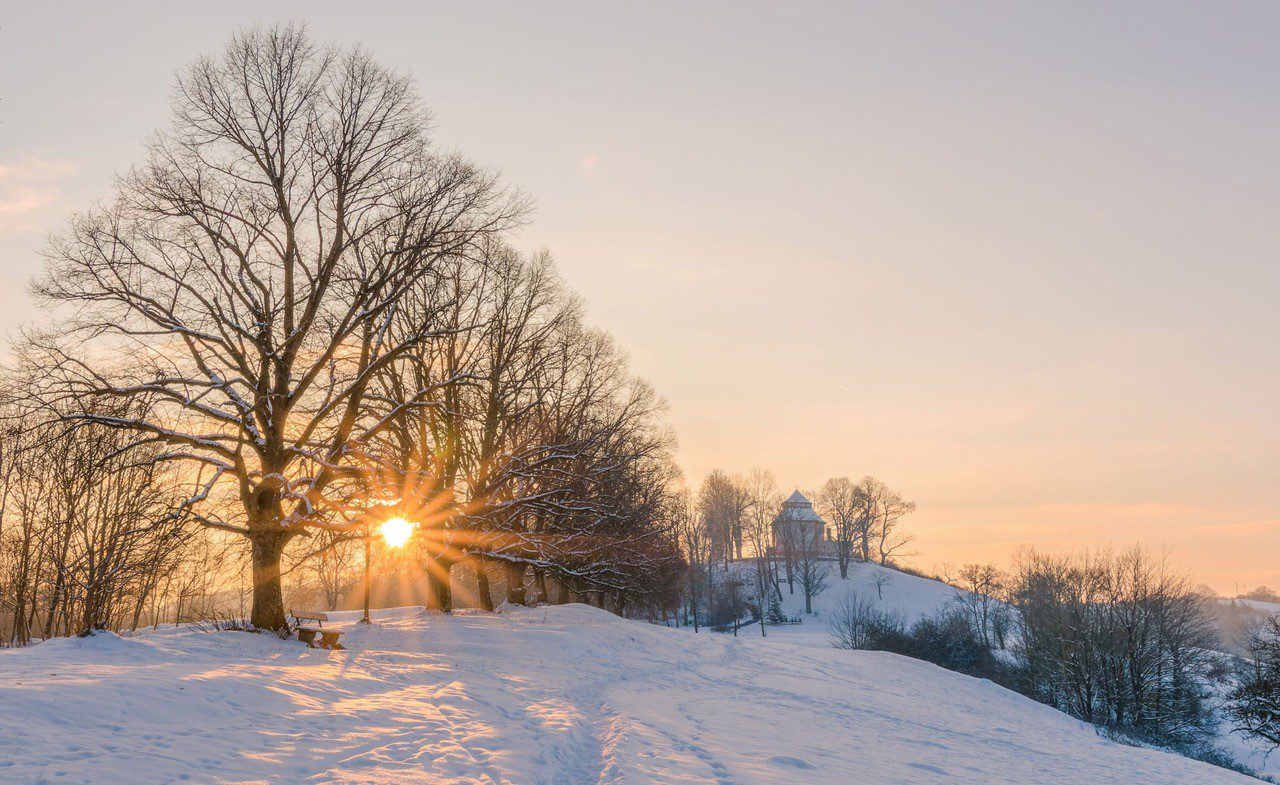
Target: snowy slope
[(1269, 608), (557, 695), (910, 596), (913, 597)]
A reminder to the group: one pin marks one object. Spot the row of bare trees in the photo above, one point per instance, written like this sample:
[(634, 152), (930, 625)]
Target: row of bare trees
[(542, 452), (87, 540), (305, 316)]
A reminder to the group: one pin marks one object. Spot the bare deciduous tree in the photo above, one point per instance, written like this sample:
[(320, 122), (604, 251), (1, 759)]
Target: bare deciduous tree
[(837, 499), (1255, 701), (248, 280), (763, 501), (982, 586), (722, 504), (334, 565), (879, 511), (812, 568), (880, 580)]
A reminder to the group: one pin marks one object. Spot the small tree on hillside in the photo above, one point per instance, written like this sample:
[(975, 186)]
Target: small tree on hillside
[(775, 614), (880, 580), (811, 568), (980, 586), (838, 501)]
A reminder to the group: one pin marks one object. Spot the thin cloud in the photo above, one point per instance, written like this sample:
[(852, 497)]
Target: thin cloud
[(1126, 510), (1242, 527), (35, 170), (27, 187), (25, 200)]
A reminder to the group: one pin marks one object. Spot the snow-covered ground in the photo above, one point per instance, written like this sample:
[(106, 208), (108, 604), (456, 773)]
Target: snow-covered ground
[(1269, 608), (562, 695), (913, 597), (1251, 753), (907, 595)]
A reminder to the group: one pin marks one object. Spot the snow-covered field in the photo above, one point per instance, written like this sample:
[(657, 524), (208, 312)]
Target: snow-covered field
[(562, 695)]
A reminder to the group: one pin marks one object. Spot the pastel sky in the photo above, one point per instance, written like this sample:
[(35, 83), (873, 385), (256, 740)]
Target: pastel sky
[(1018, 260)]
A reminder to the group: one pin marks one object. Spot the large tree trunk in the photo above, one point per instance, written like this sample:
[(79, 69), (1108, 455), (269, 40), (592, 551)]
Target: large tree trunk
[(483, 590), (562, 590), (569, 591), (268, 598), (514, 572), (439, 584), (94, 615), (540, 580)]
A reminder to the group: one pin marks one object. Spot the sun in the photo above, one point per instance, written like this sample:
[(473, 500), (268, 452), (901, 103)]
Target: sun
[(395, 531)]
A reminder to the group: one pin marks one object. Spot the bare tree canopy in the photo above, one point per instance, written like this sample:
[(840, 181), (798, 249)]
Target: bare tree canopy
[(314, 319), (248, 282), (1118, 639), (722, 504), (880, 510), (838, 500), (763, 501)]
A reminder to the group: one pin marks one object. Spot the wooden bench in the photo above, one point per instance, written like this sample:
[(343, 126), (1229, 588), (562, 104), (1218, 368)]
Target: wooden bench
[(307, 633)]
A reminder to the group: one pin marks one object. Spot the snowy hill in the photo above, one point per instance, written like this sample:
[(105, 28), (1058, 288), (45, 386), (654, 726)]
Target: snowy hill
[(556, 695), (913, 597), (909, 596)]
